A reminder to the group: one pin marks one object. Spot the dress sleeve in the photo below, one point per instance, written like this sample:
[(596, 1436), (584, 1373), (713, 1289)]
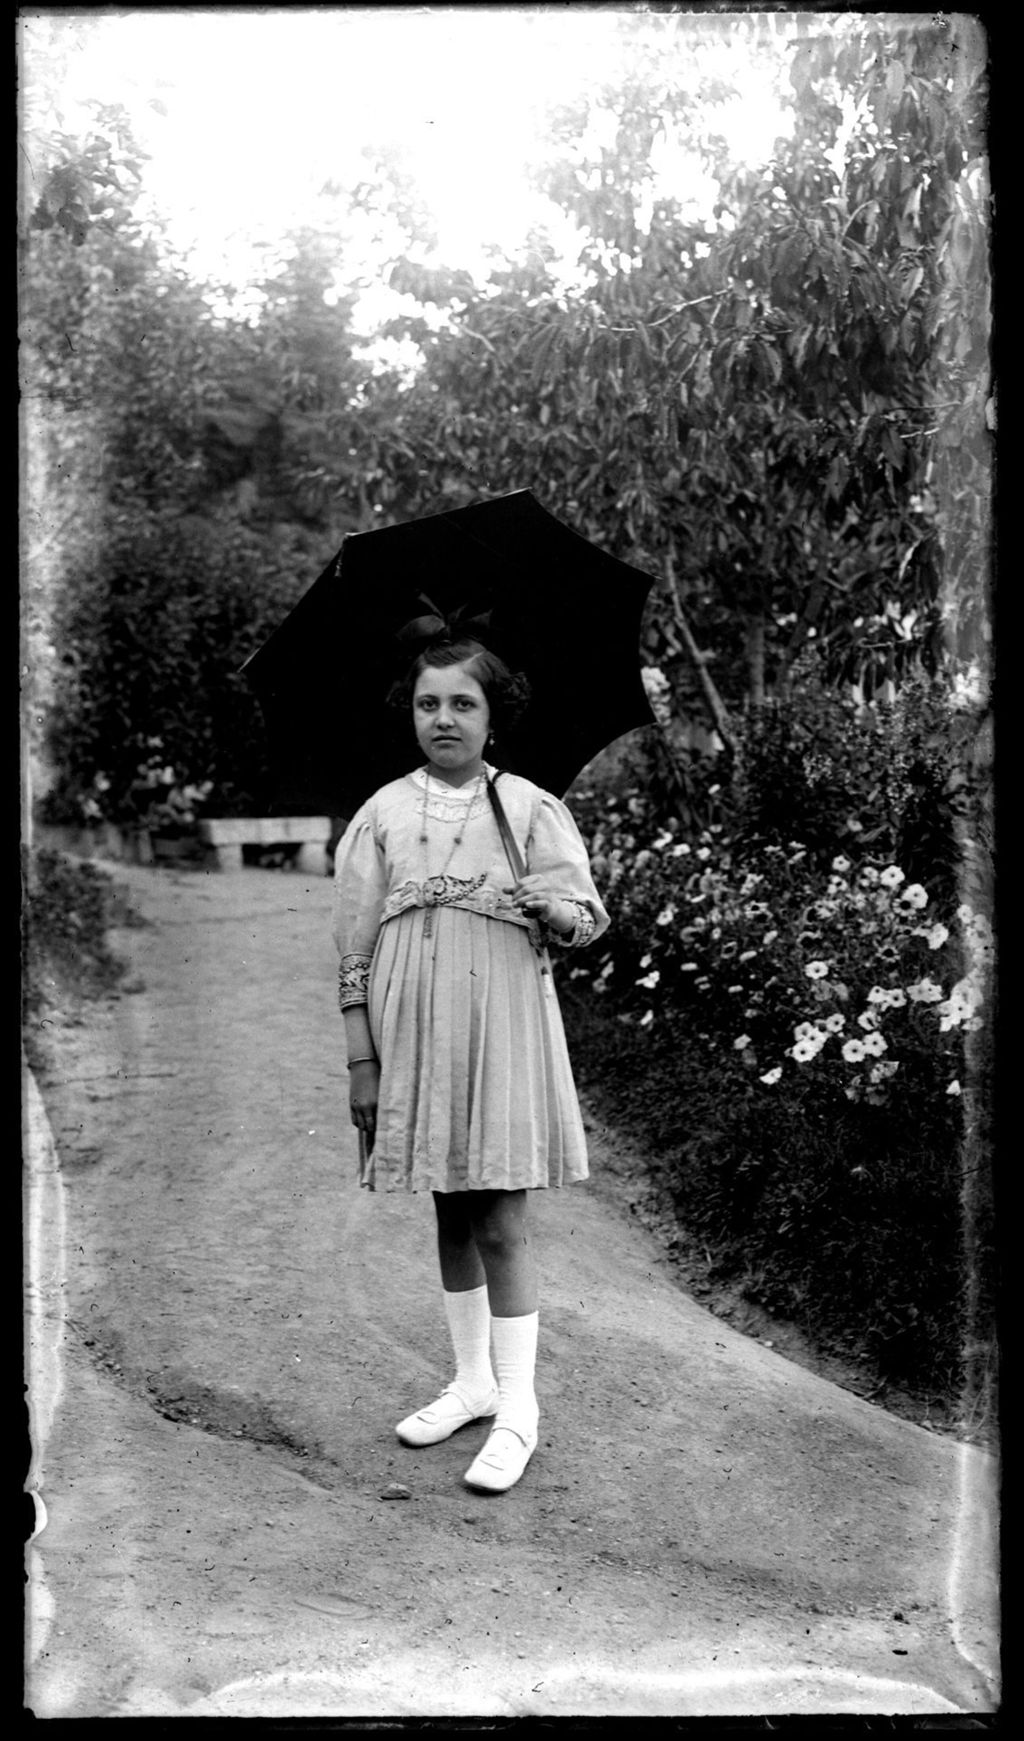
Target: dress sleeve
[(556, 849), (360, 888)]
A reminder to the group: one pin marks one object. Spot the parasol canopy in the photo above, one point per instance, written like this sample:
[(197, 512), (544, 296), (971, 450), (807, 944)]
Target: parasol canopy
[(553, 605)]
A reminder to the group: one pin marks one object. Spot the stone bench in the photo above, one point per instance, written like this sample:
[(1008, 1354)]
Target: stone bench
[(303, 839)]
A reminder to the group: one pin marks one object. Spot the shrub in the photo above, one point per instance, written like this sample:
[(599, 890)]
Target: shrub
[(798, 1030), (891, 781), (65, 913), (153, 633)]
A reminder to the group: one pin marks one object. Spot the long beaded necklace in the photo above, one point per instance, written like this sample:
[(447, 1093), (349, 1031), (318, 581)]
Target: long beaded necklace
[(433, 886)]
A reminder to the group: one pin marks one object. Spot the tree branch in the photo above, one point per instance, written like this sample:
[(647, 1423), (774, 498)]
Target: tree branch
[(715, 705)]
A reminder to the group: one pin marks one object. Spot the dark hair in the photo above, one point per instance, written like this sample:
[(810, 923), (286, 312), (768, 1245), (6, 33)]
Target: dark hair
[(507, 692)]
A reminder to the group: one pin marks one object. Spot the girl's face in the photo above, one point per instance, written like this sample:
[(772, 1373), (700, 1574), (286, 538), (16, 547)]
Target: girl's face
[(452, 720)]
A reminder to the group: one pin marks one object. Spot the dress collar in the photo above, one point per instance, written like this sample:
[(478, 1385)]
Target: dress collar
[(440, 788)]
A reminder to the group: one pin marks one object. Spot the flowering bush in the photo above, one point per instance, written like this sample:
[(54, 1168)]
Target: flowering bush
[(800, 1041), (160, 799), (855, 976)]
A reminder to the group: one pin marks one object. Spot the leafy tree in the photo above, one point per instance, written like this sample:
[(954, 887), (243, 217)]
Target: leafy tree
[(770, 407)]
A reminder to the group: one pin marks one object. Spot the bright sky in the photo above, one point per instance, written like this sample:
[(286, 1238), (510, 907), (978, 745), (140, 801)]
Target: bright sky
[(262, 107)]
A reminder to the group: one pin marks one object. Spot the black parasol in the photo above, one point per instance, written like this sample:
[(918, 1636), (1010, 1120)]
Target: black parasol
[(558, 608)]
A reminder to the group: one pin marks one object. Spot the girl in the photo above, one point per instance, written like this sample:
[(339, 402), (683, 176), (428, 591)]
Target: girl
[(460, 1078)]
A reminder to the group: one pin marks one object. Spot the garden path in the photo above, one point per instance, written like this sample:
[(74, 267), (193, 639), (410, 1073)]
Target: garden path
[(223, 1329)]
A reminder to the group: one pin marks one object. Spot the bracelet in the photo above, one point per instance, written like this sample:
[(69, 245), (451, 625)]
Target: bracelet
[(367, 1058)]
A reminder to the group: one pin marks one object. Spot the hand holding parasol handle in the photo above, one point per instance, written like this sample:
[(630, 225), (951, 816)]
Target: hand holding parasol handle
[(516, 863)]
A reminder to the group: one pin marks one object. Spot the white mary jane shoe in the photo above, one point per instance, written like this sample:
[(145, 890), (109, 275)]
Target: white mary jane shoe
[(440, 1419), (501, 1462)]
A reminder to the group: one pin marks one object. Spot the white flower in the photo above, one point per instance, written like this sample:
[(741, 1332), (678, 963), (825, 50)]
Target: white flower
[(841, 864), (877, 994), (969, 992), (869, 876), (934, 935), (804, 1050), (853, 1051), (649, 980), (965, 913), (806, 1031), (666, 916), (835, 1023), (915, 895), (967, 686), (740, 1042), (891, 877), (897, 998), (924, 991), (654, 680), (867, 1019), (954, 1087), (874, 1045), (681, 850), (703, 852), (816, 969), (772, 1076)]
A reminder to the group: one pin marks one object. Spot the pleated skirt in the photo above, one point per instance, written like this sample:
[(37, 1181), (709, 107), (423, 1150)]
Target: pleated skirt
[(476, 1088)]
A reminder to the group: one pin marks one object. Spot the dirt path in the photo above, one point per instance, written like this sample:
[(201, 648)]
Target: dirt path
[(223, 1330)]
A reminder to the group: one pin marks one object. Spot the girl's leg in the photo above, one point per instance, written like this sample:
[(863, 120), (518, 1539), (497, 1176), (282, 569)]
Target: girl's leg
[(457, 1253), (472, 1392), (502, 1238)]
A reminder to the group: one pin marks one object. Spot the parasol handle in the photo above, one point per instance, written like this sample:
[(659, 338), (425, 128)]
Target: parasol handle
[(518, 868), (508, 839)]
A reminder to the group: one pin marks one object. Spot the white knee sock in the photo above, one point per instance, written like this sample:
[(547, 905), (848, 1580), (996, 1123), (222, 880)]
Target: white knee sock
[(515, 1359), (469, 1325)]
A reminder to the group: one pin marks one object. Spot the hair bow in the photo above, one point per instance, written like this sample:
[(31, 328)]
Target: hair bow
[(435, 627)]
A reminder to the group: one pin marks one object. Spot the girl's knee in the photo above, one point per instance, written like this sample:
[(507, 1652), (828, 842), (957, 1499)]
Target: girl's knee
[(499, 1226)]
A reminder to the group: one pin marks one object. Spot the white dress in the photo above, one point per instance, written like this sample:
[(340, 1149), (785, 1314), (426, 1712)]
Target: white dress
[(476, 1089)]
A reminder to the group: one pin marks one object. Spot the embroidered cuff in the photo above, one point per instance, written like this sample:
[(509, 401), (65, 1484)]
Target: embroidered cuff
[(353, 980), (581, 932)]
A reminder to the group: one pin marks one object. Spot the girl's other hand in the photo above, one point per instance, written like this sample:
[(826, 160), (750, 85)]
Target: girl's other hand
[(535, 897), (363, 1094)]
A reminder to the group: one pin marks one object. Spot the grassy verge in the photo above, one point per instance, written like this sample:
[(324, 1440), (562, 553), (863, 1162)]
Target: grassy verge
[(68, 908)]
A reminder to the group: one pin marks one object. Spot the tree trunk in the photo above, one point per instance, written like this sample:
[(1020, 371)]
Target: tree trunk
[(755, 660), (715, 705)]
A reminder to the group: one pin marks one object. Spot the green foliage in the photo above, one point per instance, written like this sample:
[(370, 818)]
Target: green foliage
[(807, 1025), (155, 629), (65, 914), (893, 779), (776, 407)]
